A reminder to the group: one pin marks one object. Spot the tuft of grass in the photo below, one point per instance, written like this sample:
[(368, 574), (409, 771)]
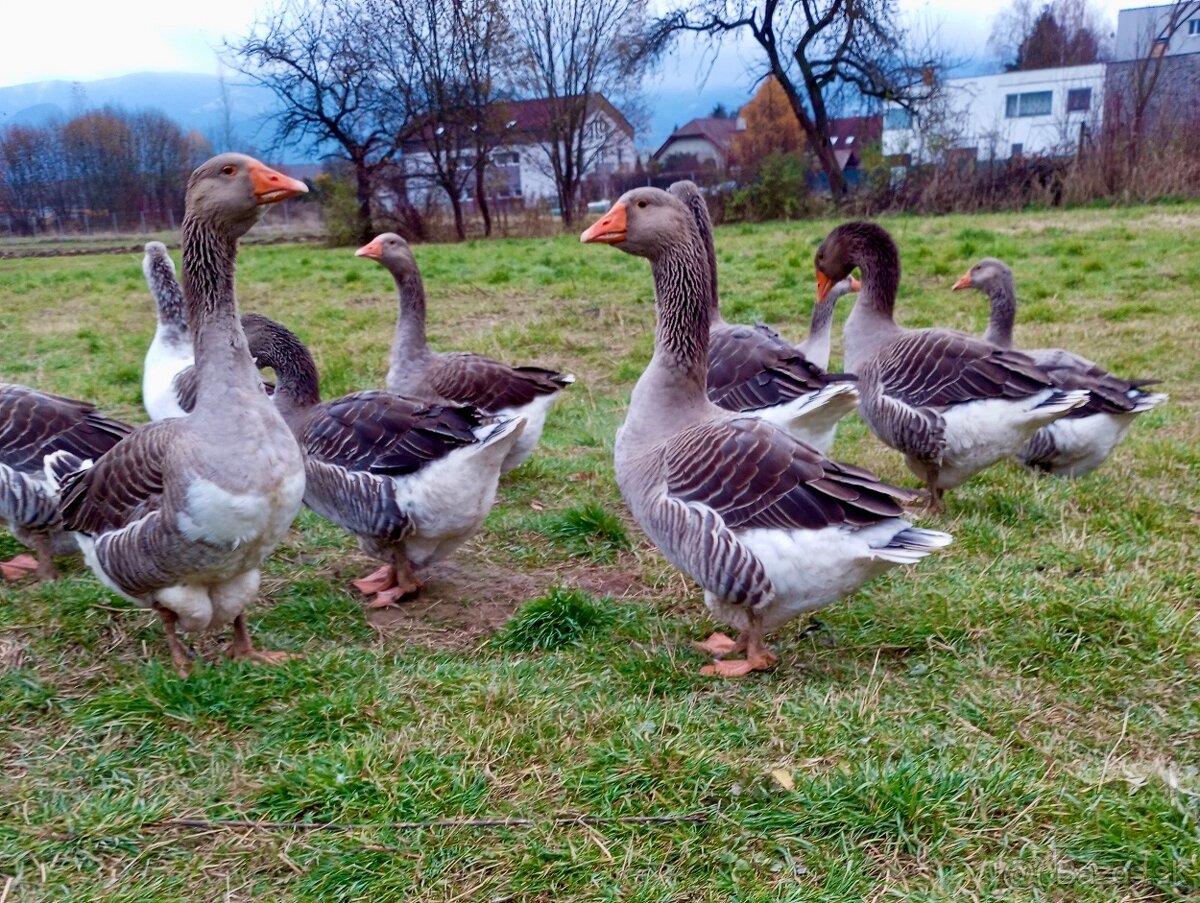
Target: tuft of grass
[(564, 616), (590, 530)]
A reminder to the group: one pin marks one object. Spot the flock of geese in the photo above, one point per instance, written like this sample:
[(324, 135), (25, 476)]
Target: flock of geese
[(722, 458)]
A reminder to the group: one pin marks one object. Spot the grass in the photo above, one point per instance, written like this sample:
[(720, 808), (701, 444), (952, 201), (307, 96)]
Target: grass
[(1014, 719)]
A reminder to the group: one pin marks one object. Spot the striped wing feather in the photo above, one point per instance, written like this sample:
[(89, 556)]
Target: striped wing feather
[(490, 385), (34, 424)]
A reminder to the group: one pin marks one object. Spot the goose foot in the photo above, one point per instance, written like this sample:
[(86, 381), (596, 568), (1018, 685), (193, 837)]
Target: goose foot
[(719, 644), (758, 656), (242, 648), (180, 656), (377, 581), (20, 567), (407, 585)]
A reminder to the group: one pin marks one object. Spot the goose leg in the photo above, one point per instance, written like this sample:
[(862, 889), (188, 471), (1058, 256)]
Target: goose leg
[(179, 653), (934, 503), (45, 557), (242, 648), (758, 656), (405, 584), (20, 567), (377, 581)]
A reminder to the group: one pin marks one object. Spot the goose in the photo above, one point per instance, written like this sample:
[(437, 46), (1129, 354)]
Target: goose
[(753, 370), (818, 344), (767, 525), (168, 375), (1080, 442), (33, 425), (458, 378), (951, 403), (179, 515), (412, 481)]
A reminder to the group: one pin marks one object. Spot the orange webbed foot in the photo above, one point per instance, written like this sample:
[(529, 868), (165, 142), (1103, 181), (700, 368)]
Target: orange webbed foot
[(377, 581), (396, 594), (19, 567), (742, 666), (719, 644)]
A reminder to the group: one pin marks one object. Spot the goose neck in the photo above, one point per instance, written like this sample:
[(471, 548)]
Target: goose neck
[(409, 341), (819, 344), (871, 324), (1002, 296)]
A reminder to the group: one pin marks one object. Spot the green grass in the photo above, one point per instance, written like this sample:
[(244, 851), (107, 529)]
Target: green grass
[(1014, 719)]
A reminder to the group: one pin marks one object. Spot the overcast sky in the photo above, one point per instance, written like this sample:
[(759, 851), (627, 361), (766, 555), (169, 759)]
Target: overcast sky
[(93, 40)]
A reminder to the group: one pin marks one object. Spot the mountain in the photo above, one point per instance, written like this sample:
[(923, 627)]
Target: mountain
[(196, 102)]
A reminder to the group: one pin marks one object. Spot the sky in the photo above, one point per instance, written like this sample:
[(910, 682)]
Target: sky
[(102, 39)]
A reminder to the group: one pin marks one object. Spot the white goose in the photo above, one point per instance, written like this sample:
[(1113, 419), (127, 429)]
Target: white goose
[(179, 515), (768, 526), (458, 378), (413, 481), (170, 351), (1080, 442), (951, 403)]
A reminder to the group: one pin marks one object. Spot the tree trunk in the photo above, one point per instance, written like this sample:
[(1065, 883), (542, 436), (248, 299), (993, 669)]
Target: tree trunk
[(362, 176), (460, 228), (481, 200), (833, 172)]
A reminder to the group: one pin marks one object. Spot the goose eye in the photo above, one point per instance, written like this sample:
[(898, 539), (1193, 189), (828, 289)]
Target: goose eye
[(229, 169), (641, 203)]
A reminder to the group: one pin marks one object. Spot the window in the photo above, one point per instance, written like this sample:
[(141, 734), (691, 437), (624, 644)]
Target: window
[(1193, 26), (897, 119), (1034, 103), (506, 158), (1079, 100), (1017, 150)]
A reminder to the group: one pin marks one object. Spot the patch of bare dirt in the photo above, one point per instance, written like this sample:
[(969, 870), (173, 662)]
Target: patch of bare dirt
[(463, 601)]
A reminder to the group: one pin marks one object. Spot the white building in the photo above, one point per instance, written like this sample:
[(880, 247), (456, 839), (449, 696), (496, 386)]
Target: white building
[(520, 172), (1144, 30), (995, 117)]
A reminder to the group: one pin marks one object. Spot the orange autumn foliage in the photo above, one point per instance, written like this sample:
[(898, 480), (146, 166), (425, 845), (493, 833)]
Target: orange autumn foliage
[(770, 126)]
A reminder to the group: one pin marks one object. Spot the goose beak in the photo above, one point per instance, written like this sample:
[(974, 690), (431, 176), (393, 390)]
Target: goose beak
[(964, 281), (855, 285), (271, 186), (610, 229), (373, 249), (824, 286)]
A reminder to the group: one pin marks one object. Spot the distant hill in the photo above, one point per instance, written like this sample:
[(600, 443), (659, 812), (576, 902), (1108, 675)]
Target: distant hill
[(194, 101)]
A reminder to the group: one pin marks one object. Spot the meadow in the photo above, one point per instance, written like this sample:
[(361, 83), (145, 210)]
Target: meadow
[(1015, 718)]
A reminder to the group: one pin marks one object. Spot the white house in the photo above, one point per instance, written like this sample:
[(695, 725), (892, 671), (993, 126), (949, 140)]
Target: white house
[(995, 117), (520, 172)]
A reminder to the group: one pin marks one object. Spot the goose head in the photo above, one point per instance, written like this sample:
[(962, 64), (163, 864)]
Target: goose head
[(858, 244), (233, 188), (985, 275), (390, 250), (645, 222)]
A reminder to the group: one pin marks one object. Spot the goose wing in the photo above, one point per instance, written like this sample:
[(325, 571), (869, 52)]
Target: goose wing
[(491, 385), (34, 424), (935, 367), (756, 476), (387, 434), (123, 485), (751, 367), (1110, 394)]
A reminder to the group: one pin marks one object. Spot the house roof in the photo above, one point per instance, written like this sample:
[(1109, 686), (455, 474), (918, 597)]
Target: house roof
[(849, 132), (717, 131)]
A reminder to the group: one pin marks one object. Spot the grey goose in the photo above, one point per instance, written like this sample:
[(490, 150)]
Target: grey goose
[(753, 370), (951, 403), (180, 514), (767, 525), (458, 378), (34, 425), (1080, 442), (411, 480)]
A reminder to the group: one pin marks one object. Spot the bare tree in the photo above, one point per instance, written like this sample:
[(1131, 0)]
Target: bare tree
[(814, 48), (569, 54), (320, 60), (30, 167)]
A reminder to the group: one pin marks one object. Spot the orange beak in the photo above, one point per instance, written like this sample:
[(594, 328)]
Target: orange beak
[(824, 285), (610, 229), (855, 285), (964, 281), (271, 186), (373, 249)]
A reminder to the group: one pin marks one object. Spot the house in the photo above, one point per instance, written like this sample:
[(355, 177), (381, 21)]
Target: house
[(1146, 31), (850, 134), (519, 172), (707, 140), (989, 118)]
